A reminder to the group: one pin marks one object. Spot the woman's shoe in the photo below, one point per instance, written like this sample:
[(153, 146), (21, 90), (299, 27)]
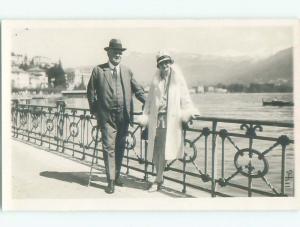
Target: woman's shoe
[(155, 187)]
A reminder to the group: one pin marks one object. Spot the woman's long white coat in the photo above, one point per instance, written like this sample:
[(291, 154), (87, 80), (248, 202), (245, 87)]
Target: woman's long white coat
[(180, 108)]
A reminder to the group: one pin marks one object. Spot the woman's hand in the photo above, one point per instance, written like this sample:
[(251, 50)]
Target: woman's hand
[(141, 120), (193, 116)]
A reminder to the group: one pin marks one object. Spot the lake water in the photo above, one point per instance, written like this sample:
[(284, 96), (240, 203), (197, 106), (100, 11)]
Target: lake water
[(231, 105), (244, 105)]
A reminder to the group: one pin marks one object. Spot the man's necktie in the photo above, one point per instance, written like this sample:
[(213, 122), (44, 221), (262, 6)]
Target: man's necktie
[(115, 74)]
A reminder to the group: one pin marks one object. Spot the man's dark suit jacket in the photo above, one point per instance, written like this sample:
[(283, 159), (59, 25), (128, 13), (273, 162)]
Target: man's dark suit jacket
[(100, 92)]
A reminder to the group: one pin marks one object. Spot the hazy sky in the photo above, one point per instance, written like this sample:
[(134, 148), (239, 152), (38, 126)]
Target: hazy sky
[(84, 45)]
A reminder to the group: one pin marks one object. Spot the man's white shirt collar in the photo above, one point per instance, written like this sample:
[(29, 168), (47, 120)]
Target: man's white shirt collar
[(112, 67)]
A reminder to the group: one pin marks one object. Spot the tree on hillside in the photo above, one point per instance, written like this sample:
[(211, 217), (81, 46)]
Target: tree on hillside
[(81, 86), (236, 87), (70, 77), (56, 76)]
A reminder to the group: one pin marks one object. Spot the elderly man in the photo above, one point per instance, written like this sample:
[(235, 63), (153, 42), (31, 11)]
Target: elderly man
[(109, 94)]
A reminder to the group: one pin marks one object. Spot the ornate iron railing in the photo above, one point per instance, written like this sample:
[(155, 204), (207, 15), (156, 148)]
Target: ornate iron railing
[(224, 157)]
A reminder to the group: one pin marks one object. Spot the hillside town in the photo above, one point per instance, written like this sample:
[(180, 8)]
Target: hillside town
[(39, 75)]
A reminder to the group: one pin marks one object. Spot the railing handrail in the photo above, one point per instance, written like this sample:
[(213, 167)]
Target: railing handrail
[(248, 121), (202, 118)]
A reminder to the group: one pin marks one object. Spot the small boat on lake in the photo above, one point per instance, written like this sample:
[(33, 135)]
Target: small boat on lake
[(276, 102)]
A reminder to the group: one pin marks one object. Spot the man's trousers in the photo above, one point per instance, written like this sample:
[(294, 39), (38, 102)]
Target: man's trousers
[(114, 133)]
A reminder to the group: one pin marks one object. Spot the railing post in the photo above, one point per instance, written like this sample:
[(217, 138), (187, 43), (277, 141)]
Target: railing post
[(223, 135), (127, 150), (60, 105), (95, 155), (73, 138), (250, 168), (146, 162), (283, 170), (213, 157), (250, 179), (184, 174), (41, 128), (206, 132), (28, 122), (49, 140), (251, 133), (15, 116), (83, 121)]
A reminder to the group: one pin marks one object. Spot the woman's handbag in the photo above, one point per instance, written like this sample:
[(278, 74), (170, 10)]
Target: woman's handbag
[(145, 134)]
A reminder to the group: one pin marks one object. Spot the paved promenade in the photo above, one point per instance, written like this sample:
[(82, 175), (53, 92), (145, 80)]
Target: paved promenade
[(38, 173)]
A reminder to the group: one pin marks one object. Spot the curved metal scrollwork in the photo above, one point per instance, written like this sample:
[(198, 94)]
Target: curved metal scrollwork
[(251, 130), (193, 156), (223, 133), (35, 121), (284, 140), (244, 164), (14, 118), (74, 130), (130, 141), (23, 118), (206, 131), (94, 134), (49, 125), (60, 127)]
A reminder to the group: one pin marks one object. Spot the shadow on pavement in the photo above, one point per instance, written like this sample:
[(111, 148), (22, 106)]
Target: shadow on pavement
[(174, 193), (81, 178), (134, 182), (98, 179)]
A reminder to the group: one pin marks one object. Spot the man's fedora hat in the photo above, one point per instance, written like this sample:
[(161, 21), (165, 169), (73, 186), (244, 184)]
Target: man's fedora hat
[(163, 56), (115, 44)]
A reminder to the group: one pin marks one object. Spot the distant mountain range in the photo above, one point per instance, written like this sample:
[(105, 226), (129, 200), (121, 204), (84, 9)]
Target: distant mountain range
[(209, 70)]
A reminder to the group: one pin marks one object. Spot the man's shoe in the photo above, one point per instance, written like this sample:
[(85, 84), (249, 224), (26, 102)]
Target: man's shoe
[(110, 187), (119, 183), (159, 186)]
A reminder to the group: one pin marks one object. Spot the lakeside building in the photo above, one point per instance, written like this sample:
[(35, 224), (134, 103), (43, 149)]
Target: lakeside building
[(220, 90), (212, 89), (200, 89), (192, 90), (81, 77), (17, 59), (38, 78), (28, 79), (19, 78), (42, 62), (29, 73)]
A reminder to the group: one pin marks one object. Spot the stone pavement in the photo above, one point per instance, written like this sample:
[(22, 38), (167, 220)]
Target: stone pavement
[(42, 174)]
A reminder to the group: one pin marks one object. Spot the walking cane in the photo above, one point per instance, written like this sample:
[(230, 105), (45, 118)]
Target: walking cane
[(95, 154)]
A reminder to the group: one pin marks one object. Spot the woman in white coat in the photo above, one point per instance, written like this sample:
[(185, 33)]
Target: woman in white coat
[(168, 105)]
